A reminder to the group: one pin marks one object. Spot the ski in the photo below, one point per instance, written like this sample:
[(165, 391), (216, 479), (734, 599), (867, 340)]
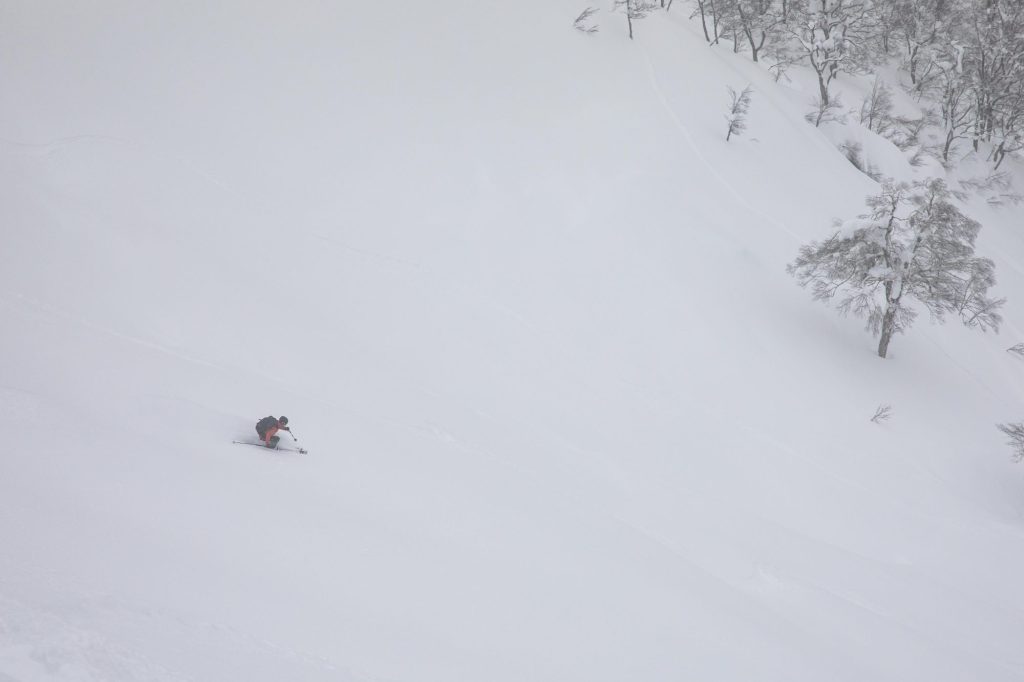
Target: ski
[(301, 451)]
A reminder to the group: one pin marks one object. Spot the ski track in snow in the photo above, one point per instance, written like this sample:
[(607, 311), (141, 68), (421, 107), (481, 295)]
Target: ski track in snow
[(57, 144), (34, 306), (711, 167)]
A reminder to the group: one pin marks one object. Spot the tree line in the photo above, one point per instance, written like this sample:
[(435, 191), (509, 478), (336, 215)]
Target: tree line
[(964, 57)]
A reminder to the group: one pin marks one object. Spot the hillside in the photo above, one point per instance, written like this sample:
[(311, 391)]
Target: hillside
[(568, 416)]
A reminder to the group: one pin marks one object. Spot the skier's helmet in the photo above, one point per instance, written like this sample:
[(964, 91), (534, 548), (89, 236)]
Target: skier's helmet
[(283, 420)]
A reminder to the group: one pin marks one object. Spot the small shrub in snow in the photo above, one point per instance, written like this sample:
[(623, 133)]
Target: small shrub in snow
[(882, 413), (826, 111), (1010, 143), (854, 152), (906, 132), (780, 69), (1014, 438), (911, 134), (876, 110), (737, 116), (917, 159), (634, 9), (913, 244), (582, 22), (1017, 349), (996, 188), (909, 131)]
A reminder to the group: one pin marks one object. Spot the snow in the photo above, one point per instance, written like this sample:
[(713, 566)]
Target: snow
[(568, 417)]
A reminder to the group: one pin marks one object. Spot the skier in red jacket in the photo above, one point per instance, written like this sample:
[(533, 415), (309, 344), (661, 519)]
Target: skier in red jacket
[(268, 426)]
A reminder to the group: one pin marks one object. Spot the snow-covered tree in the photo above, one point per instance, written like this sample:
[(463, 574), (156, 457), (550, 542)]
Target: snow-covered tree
[(956, 105), (994, 62), (876, 110), (758, 21), (738, 108), (917, 28), (832, 34), (913, 244), (968, 55)]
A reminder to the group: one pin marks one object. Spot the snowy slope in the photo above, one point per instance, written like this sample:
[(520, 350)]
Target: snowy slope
[(569, 419)]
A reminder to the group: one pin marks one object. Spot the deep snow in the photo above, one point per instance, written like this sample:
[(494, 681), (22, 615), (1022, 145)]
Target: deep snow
[(569, 419)]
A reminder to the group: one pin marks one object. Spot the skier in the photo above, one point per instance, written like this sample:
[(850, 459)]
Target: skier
[(268, 426)]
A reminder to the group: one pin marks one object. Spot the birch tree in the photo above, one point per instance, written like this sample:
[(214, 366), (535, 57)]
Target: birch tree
[(707, 8), (912, 245)]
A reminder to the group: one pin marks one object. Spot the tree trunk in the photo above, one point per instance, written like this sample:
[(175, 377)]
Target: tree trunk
[(999, 154), (755, 47), (703, 20), (888, 327), (949, 143), (714, 21), (822, 89)]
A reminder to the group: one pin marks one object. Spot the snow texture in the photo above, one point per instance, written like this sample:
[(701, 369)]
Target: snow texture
[(568, 417)]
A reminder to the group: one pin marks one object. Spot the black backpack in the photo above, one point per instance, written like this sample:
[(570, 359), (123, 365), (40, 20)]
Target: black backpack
[(264, 424)]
